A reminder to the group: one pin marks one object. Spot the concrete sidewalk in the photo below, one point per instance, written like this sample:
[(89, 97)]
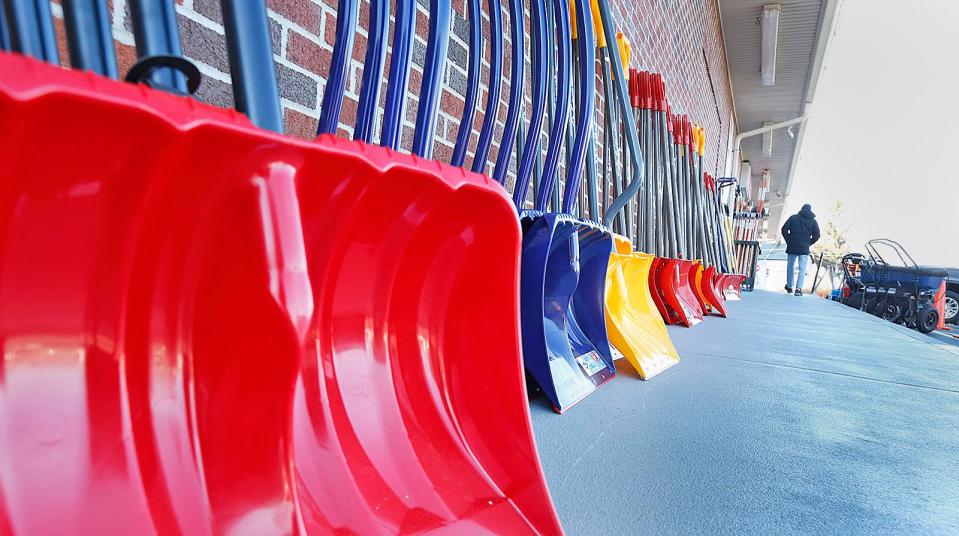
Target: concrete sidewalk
[(794, 415)]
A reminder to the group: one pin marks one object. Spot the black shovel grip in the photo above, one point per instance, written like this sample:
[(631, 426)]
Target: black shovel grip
[(144, 67)]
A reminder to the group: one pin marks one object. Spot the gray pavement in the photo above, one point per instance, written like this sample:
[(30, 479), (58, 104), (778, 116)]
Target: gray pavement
[(794, 415)]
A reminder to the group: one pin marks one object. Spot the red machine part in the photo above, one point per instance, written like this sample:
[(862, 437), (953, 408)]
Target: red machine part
[(208, 328)]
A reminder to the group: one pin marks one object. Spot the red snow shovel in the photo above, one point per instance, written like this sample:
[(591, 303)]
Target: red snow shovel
[(187, 302)]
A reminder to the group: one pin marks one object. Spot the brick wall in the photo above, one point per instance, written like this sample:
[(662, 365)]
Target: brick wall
[(680, 38)]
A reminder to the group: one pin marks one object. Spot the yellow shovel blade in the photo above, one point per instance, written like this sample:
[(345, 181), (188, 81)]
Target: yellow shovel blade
[(633, 323)]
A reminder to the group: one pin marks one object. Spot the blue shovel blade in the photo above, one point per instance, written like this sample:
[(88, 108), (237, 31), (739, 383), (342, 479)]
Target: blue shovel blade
[(565, 348)]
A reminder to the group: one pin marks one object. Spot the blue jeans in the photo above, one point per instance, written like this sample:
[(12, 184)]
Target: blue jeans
[(791, 264)]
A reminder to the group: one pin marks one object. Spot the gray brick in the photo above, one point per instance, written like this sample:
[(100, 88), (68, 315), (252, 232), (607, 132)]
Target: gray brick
[(456, 81), (276, 36), (215, 92), (458, 55), (209, 9), (296, 87), (461, 27), (203, 44), (419, 53)]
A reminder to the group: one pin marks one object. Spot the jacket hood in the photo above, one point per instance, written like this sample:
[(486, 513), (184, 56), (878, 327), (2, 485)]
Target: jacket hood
[(806, 212)]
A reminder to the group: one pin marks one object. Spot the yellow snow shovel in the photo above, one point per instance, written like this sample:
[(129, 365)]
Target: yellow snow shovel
[(633, 323)]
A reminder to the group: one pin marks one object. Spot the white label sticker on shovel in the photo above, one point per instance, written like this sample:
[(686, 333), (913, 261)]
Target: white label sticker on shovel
[(591, 362)]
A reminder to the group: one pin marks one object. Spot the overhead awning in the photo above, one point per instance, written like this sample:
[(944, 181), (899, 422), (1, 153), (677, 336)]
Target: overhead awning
[(804, 31)]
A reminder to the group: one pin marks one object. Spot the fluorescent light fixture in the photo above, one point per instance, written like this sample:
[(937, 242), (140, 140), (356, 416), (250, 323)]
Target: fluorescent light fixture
[(770, 42), (768, 140), (746, 178)]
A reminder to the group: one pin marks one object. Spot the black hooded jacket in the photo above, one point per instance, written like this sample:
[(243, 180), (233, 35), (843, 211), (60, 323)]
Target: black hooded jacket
[(801, 231)]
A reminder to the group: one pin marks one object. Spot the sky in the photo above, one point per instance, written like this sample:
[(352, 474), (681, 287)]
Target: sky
[(883, 136)]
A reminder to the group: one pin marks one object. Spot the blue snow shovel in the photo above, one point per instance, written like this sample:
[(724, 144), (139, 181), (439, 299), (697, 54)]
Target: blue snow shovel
[(563, 274)]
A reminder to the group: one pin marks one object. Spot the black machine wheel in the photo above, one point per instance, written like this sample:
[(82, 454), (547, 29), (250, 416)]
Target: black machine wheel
[(855, 300), (926, 319), (952, 307), (892, 313)]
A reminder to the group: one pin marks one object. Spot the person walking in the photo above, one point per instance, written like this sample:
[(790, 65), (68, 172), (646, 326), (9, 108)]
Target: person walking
[(800, 231)]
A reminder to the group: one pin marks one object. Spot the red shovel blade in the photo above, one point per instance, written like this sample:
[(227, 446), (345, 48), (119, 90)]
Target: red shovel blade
[(731, 285), (695, 283), (677, 294), (682, 297), (208, 328), (713, 295), (656, 288)]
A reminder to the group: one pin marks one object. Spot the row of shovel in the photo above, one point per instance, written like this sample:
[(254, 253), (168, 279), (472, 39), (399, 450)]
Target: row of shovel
[(212, 328)]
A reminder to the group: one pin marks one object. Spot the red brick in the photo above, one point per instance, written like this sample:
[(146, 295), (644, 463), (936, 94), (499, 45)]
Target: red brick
[(299, 125), (302, 12), (308, 54)]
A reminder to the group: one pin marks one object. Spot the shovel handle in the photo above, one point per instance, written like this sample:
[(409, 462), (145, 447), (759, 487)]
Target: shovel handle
[(563, 68), (347, 12), (156, 35), (495, 81), (437, 45), (31, 29), (538, 103), (585, 111), (625, 49), (372, 70), (626, 115), (472, 83), (250, 49), (597, 24), (89, 38), (516, 90), (400, 63)]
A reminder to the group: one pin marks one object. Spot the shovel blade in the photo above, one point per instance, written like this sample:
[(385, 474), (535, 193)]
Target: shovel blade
[(678, 294), (711, 294), (656, 290), (565, 348), (635, 326), (696, 284), (209, 328), (732, 286)]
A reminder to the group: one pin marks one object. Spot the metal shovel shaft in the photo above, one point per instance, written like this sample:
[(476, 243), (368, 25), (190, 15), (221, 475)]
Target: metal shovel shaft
[(250, 49), (31, 29), (89, 38), (156, 34)]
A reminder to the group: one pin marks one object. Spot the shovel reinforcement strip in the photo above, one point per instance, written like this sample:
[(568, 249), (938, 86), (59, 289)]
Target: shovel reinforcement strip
[(31, 29), (372, 70), (396, 89), (347, 13), (472, 83), (437, 45), (89, 38)]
